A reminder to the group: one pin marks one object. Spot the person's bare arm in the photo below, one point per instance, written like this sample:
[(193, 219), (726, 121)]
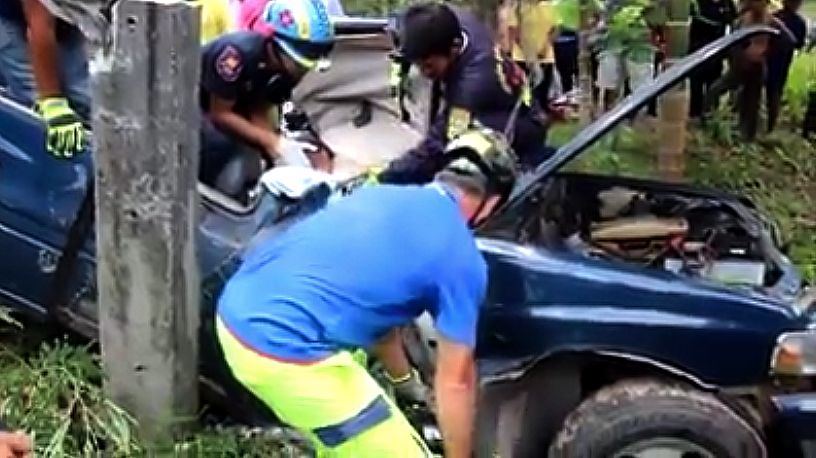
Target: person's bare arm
[(456, 390), (222, 116), (43, 47), (390, 352), (553, 34), (260, 117)]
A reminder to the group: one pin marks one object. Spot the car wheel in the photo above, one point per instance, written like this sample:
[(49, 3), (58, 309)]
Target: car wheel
[(650, 419)]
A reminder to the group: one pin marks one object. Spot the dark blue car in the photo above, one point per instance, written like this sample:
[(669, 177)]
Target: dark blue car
[(625, 318)]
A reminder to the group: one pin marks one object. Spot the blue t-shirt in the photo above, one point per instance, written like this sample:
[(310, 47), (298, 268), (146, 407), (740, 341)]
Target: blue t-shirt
[(345, 276)]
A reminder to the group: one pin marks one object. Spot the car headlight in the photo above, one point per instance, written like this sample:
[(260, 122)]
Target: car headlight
[(795, 354)]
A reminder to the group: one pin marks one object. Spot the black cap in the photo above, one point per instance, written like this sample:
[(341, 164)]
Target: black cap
[(428, 29)]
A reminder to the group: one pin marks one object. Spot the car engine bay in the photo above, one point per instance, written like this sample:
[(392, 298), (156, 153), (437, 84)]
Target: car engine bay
[(655, 226)]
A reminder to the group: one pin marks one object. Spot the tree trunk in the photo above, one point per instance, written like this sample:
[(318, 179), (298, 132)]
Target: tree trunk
[(673, 108)]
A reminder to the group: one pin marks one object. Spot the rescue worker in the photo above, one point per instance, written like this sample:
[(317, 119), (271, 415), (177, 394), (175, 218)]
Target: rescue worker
[(301, 301), (43, 61), (478, 83), (243, 75), (781, 57), (709, 20)]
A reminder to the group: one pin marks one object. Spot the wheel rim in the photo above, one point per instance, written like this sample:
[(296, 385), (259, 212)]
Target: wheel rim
[(664, 447)]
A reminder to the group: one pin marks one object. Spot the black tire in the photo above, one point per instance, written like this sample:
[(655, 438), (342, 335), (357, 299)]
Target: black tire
[(632, 411)]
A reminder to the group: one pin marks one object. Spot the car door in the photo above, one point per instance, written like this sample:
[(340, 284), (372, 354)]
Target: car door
[(39, 198)]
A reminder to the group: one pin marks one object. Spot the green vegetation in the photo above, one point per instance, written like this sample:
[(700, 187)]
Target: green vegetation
[(809, 8), (53, 391)]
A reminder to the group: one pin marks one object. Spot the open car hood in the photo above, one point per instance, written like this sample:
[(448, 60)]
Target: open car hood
[(623, 110)]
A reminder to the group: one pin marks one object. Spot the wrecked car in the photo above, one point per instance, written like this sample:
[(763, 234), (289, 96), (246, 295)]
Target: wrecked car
[(624, 317)]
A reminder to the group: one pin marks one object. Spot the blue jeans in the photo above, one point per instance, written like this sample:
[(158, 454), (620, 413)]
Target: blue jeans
[(15, 67)]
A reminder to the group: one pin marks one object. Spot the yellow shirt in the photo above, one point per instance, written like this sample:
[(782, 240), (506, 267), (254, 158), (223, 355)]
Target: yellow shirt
[(535, 22), (216, 19)]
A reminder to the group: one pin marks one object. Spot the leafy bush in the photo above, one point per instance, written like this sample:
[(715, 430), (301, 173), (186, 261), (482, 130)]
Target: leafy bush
[(53, 392), (801, 80)]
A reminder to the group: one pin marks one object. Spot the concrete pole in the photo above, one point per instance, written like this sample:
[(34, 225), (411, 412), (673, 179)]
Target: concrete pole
[(146, 146)]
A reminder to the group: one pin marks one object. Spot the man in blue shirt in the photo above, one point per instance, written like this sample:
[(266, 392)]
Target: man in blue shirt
[(349, 277), (478, 83)]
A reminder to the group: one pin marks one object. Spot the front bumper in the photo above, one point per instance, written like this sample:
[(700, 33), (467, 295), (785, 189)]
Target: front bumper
[(795, 422)]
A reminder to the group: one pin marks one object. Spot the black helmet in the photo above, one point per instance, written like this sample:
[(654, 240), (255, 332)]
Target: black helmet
[(485, 156), (425, 30)]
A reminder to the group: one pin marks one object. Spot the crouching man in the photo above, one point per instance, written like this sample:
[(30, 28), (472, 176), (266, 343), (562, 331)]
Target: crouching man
[(290, 317)]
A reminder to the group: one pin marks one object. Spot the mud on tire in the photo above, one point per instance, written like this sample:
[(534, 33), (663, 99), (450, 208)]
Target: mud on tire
[(632, 411)]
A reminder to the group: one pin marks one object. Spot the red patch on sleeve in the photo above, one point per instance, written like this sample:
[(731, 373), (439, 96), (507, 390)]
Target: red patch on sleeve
[(229, 64)]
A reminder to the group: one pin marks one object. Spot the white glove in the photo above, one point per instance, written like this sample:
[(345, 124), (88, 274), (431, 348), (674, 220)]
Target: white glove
[(293, 152), (410, 388)]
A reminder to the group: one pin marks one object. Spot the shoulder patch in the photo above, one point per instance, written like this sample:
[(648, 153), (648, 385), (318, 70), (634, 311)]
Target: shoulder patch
[(229, 63), (458, 122)]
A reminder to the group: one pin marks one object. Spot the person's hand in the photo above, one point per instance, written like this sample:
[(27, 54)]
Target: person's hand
[(15, 445), (293, 152), (411, 389), (321, 159), (372, 175), (65, 134)]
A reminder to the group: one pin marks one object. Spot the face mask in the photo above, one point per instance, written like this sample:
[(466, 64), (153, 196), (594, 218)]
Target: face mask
[(279, 89)]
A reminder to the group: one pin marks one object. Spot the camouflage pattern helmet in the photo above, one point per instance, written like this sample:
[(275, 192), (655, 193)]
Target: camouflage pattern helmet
[(485, 156)]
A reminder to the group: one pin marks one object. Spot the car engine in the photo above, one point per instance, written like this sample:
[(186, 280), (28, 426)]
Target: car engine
[(688, 235)]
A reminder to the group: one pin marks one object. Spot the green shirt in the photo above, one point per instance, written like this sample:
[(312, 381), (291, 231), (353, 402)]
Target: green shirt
[(569, 12)]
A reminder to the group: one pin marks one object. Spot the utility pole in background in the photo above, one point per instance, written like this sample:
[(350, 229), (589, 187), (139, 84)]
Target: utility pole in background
[(146, 159)]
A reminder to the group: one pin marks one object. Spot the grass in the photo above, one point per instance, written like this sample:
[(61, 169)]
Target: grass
[(51, 388), (809, 9)]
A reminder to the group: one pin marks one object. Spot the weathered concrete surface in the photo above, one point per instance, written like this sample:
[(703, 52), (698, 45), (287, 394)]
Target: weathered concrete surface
[(146, 153)]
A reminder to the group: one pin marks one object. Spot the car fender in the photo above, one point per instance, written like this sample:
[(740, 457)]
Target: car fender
[(499, 371), (543, 301)]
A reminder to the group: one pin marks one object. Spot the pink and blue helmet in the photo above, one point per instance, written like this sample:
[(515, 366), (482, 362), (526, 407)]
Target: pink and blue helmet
[(302, 29)]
